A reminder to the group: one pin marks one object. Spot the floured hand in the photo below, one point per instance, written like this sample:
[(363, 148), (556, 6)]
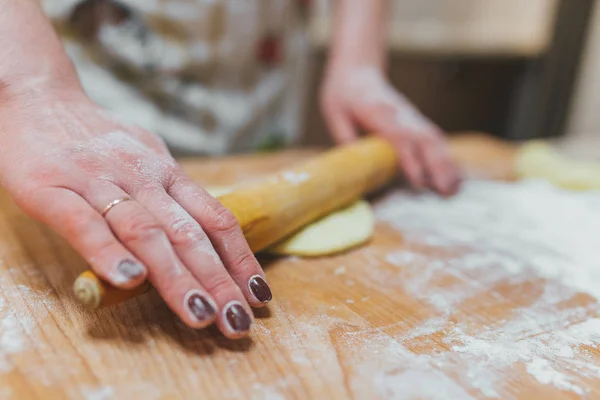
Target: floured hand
[(361, 97), (63, 161)]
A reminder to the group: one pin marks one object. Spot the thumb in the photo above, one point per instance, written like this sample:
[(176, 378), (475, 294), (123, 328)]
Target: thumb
[(340, 125)]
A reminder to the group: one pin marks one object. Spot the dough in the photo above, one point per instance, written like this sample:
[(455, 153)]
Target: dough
[(540, 161), (334, 233)]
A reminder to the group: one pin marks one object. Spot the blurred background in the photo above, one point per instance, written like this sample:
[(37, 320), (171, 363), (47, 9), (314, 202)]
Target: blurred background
[(516, 69)]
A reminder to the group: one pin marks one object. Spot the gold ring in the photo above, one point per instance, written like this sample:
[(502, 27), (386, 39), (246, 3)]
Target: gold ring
[(114, 203)]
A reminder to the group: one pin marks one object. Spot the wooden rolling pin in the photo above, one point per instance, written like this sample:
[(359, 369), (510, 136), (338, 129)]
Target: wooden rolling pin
[(276, 206)]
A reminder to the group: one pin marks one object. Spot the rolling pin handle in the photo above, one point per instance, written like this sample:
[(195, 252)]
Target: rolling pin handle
[(88, 290)]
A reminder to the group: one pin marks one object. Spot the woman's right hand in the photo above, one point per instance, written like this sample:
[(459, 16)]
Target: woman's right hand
[(63, 160)]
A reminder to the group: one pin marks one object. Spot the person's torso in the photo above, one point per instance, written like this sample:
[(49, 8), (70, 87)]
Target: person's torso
[(209, 76)]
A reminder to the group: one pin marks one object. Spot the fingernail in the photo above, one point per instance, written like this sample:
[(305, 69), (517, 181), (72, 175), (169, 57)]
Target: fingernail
[(237, 318), (260, 289), (127, 270), (200, 307)]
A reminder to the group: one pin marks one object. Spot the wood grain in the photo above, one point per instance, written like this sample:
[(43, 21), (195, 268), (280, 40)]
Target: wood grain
[(339, 327)]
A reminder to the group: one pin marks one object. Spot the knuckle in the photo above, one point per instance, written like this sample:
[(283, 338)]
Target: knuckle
[(171, 170), (77, 222), (149, 189), (223, 220), (169, 286), (110, 246), (219, 284), (243, 262), (139, 226), (174, 177), (186, 232)]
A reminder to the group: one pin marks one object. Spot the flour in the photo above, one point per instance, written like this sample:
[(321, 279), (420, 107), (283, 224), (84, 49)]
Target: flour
[(6, 393), (545, 374), (504, 232), (523, 227), (101, 393), (21, 309), (262, 392), (453, 254), (14, 330), (135, 155), (12, 337), (340, 270), (295, 178)]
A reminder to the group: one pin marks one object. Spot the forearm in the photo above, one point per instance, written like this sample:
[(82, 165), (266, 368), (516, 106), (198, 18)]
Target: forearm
[(359, 36), (31, 53)]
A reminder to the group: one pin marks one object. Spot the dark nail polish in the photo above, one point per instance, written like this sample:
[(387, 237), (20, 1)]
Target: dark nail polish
[(238, 318), (260, 289), (130, 269), (200, 307)]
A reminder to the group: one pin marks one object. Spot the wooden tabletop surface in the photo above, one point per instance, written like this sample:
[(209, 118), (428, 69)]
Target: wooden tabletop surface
[(339, 327)]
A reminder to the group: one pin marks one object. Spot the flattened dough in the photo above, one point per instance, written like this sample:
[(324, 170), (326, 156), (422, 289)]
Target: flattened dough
[(540, 161), (334, 233)]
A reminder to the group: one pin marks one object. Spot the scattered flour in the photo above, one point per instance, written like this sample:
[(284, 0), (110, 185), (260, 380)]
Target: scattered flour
[(262, 392), (295, 178), (544, 373), (340, 270), (101, 393), (504, 232), (491, 233), (6, 393), (522, 227), (14, 330)]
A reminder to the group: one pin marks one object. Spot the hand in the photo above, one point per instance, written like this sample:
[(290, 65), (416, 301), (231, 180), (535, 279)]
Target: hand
[(362, 96), (63, 160)]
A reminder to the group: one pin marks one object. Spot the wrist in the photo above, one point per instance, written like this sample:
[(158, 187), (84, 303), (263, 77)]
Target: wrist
[(344, 68), (346, 56), (359, 37), (28, 88), (32, 57)]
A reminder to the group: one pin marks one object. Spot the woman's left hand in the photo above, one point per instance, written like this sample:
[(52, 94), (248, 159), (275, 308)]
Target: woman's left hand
[(362, 97)]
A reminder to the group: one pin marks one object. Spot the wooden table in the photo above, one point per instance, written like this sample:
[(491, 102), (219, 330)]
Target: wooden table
[(339, 327)]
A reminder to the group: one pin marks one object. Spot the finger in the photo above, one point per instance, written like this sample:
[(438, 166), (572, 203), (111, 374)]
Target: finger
[(196, 251), (227, 238), (438, 157), (84, 228), (457, 182), (340, 125), (439, 169), (143, 235), (410, 163)]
